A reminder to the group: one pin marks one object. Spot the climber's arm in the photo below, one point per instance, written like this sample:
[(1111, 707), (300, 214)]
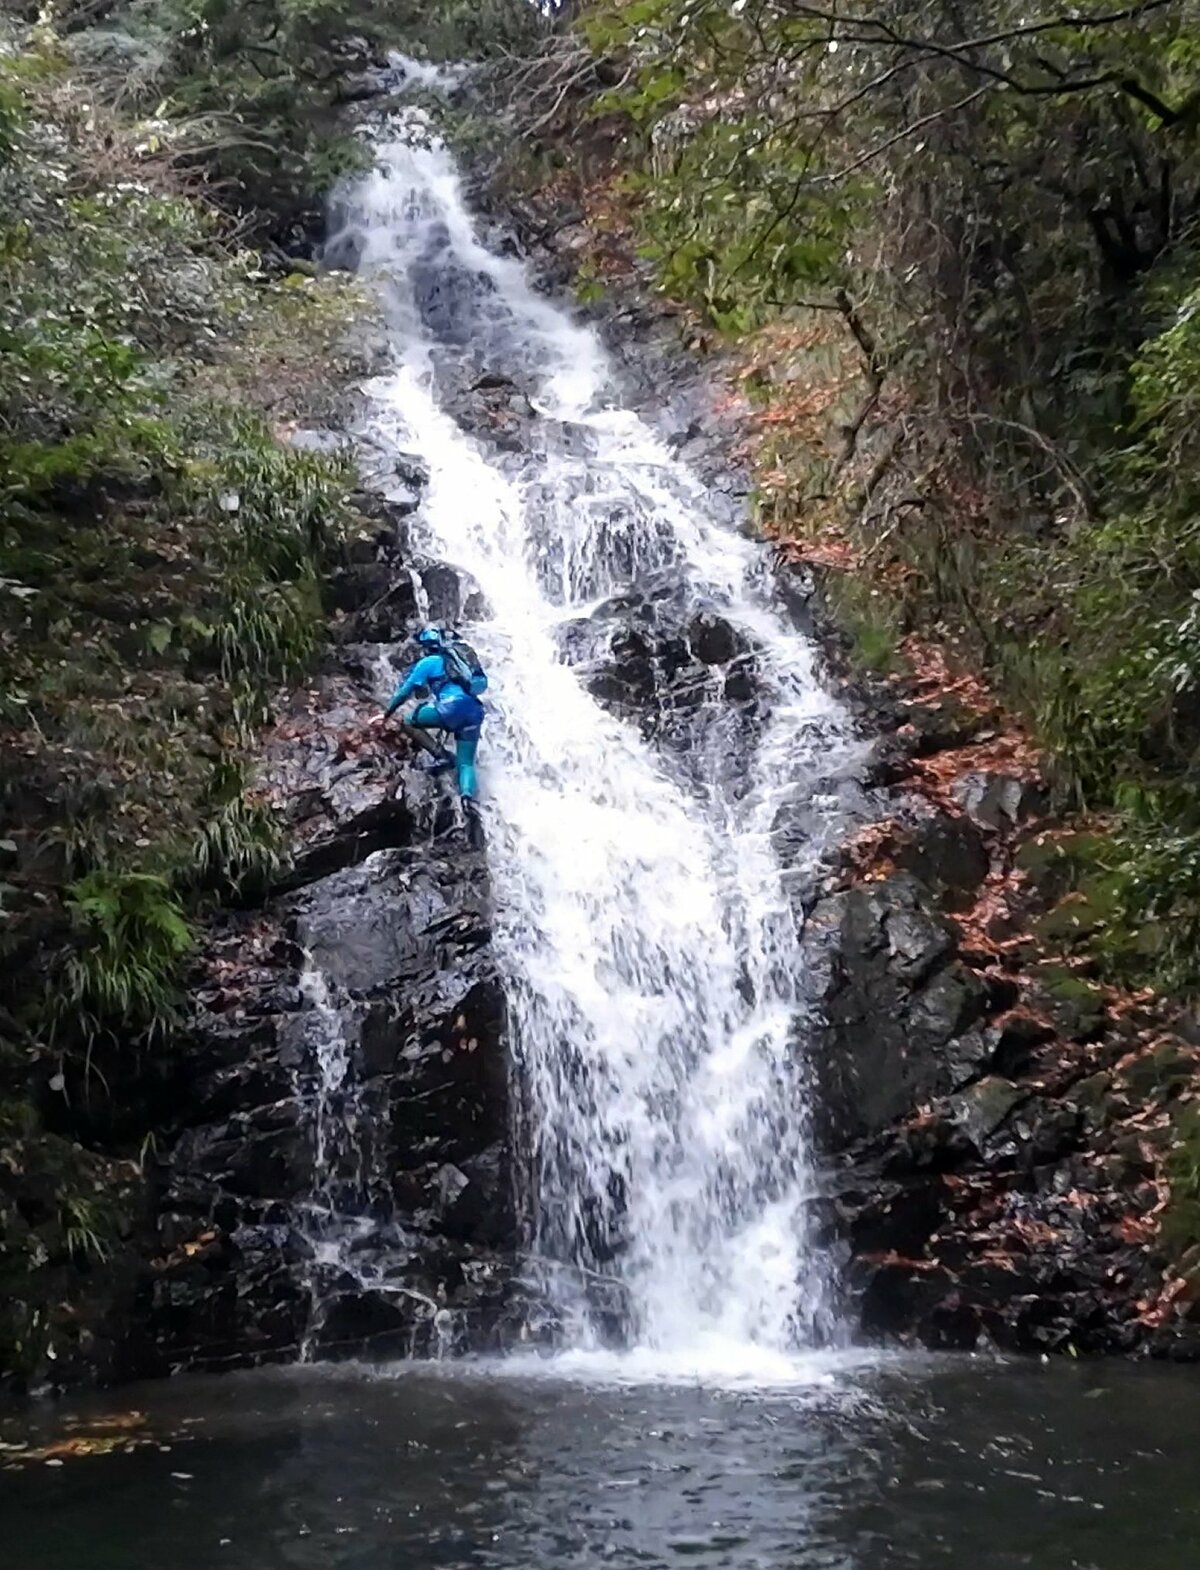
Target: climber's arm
[(423, 672)]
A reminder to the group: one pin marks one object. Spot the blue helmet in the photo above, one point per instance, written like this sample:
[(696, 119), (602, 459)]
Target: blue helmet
[(430, 638)]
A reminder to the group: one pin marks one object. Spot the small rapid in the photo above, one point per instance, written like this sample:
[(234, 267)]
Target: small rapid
[(645, 922)]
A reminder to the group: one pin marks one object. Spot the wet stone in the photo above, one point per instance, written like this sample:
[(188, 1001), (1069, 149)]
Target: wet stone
[(980, 1110), (713, 641), (997, 801)]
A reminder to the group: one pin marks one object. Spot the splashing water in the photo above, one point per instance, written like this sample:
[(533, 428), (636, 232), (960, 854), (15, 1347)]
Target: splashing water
[(328, 1219), (643, 920), (347, 1253)]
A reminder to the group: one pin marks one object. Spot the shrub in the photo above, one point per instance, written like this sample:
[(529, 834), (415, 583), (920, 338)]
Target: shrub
[(160, 548), (131, 935), (958, 260)]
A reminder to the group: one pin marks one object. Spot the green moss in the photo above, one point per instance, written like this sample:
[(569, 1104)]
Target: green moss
[(18, 1119), (1161, 1074), (1057, 862), (1076, 1005), (1081, 915), (1065, 986), (1181, 1220), (160, 551)]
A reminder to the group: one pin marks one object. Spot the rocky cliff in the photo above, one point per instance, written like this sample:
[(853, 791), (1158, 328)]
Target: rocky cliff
[(999, 1121), (1000, 1127), (349, 1059), (995, 1123), (347, 1054)]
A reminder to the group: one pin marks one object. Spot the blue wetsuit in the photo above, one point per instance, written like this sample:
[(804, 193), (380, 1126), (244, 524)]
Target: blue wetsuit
[(450, 708)]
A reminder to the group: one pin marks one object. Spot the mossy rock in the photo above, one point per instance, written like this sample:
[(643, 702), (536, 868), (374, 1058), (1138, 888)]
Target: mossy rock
[(1073, 920), (943, 724), (1180, 1225), (1075, 1005), (1163, 1073), (1181, 1219), (1093, 1098), (1055, 862)]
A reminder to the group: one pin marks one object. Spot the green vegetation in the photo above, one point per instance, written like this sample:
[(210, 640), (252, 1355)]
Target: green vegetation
[(132, 936), (959, 253), (252, 91), (160, 549), (161, 553), (1181, 1223), (870, 619), (84, 1228)]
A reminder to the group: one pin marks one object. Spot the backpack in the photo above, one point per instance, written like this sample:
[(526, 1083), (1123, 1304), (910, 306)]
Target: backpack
[(463, 665)]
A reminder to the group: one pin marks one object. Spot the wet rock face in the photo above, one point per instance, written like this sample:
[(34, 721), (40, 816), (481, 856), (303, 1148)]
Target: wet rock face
[(361, 1201), (981, 1181), (989, 1174), (897, 1006), (406, 1144), (993, 1124), (413, 1148), (680, 672)]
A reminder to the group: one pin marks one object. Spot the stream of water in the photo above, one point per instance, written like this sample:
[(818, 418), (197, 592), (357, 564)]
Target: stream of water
[(643, 925)]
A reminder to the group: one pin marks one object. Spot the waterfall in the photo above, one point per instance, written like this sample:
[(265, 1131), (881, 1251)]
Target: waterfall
[(331, 1217), (644, 922)]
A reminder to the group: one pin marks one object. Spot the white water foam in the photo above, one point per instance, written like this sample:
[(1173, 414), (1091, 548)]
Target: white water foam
[(642, 918), (424, 74)]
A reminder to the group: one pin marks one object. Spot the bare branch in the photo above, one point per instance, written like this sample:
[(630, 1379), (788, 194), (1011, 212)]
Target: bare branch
[(902, 135)]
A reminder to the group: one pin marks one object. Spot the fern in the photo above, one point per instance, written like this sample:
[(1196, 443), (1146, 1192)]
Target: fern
[(239, 844), (132, 935), (83, 1225)]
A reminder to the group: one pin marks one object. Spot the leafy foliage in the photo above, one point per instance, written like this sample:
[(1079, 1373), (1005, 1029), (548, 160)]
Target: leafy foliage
[(239, 843), (252, 90), (131, 937), (160, 547), (958, 252)]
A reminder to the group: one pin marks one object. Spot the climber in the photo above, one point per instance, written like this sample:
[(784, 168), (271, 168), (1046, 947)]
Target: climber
[(450, 672)]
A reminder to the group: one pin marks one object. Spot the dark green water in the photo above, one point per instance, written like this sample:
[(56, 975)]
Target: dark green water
[(929, 1464)]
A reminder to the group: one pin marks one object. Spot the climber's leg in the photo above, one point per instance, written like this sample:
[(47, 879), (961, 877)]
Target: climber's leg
[(466, 745)]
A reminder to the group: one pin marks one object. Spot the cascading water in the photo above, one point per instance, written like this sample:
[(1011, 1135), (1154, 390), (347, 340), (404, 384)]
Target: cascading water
[(342, 1221), (643, 920), (331, 1216)]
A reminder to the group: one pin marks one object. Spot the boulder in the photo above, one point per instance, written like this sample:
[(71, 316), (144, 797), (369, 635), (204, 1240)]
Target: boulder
[(895, 1005), (947, 853), (981, 1109), (713, 641), (999, 801)]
